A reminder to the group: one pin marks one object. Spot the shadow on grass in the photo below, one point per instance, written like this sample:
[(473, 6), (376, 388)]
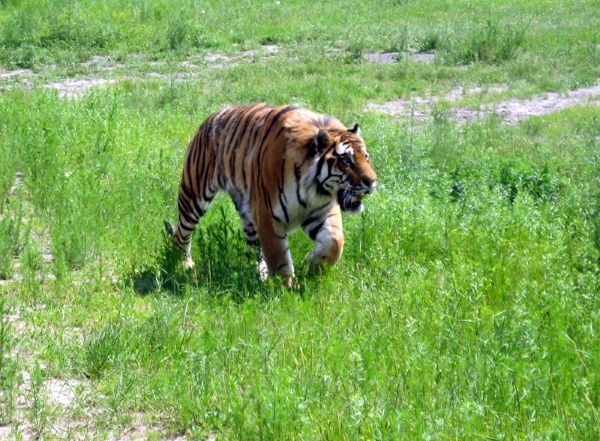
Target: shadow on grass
[(224, 267)]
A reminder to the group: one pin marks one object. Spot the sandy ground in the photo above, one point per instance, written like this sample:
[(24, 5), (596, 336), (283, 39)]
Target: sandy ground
[(510, 111), (74, 87)]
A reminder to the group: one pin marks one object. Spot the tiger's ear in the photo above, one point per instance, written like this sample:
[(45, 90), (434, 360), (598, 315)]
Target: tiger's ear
[(355, 130), (321, 141)]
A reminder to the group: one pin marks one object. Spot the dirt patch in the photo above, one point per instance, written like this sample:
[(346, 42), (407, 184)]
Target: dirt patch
[(395, 57), (15, 73), (421, 107), (62, 392), (103, 67), (218, 60), (71, 88), (510, 111), (60, 408)]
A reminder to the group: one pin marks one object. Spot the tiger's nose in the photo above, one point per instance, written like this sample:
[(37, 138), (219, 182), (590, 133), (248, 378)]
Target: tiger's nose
[(369, 183)]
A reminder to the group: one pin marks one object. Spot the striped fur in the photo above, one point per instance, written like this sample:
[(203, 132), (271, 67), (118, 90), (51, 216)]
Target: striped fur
[(284, 168)]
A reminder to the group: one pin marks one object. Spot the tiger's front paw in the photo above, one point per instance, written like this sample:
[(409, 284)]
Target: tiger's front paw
[(290, 282), (188, 263), (263, 270), (170, 228)]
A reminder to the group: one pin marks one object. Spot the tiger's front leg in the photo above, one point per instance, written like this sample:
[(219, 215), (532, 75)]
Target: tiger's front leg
[(328, 234), (276, 259)]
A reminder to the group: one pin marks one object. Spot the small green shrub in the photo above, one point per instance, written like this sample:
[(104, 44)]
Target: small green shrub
[(178, 33), (430, 43), (355, 52), (101, 348), (488, 44), (77, 33), (516, 178)]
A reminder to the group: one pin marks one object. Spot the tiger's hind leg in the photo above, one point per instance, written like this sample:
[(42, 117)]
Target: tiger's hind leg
[(249, 227), (191, 210), (276, 259)]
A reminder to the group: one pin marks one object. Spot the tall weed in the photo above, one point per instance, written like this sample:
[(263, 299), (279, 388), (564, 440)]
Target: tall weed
[(8, 366), (11, 238)]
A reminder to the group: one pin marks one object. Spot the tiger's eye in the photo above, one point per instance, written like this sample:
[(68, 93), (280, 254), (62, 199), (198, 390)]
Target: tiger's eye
[(345, 158)]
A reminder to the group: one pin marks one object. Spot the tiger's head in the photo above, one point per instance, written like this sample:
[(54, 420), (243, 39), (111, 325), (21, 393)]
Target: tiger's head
[(344, 167)]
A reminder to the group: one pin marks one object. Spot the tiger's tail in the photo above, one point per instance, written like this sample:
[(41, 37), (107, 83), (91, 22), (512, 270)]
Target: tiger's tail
[(170, 228)]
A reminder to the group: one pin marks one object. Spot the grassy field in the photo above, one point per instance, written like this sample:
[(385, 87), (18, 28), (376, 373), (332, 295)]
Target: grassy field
[(466, 304)]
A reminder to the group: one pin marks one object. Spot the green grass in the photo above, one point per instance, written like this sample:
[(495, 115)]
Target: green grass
[(466, 304)]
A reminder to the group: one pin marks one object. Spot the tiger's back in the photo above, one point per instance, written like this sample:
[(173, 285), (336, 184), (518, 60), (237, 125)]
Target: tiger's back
[(282, 168)]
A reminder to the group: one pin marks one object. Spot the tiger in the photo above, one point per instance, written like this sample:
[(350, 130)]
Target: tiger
[(284, 167)]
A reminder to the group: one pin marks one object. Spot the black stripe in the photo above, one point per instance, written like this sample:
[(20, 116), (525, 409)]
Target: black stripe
[(190, 159), (206, 174), (235, 141), (238, 136), (188, 219), (192, 198), (282, 197), (194, 166), (284, 208), (182, 203), (206, 129), (309, 221), (321, 185), (266, 135), (267, 199), (207, 198), (249, 143), (262, 147), (276, 118), (183, 227), (320, 188), (249, 116), (298, 175), (280, 131), (234, 117), (313, 211), (186, 212), (314, 231), (254, 134)]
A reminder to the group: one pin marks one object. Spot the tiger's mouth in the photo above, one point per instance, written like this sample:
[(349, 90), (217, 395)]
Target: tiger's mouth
[(350, 200)]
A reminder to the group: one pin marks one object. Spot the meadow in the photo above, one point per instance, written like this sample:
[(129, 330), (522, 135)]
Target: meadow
[(466, 304)]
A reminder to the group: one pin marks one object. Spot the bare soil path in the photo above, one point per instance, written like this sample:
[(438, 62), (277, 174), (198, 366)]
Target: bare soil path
[(420, 108), (510, 111)]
